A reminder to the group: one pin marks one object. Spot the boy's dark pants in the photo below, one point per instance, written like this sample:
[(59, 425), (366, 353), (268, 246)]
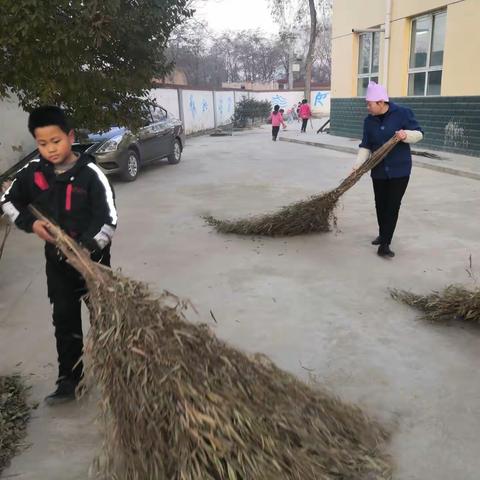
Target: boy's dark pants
[(304, 124), (65, 290), (275, 131), (388, 198)]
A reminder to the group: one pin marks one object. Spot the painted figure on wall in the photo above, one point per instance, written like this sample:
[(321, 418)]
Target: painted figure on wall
[(319, 98), (279, 100), (192, 106)]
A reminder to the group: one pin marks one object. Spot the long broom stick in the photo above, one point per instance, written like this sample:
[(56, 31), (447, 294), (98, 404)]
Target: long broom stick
[(313, 215), (5, 236)]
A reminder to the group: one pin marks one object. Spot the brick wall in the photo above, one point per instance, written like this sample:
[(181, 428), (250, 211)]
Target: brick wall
[(450, 124)]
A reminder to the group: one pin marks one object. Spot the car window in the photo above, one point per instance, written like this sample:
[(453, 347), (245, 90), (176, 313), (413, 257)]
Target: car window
[(159, 114)]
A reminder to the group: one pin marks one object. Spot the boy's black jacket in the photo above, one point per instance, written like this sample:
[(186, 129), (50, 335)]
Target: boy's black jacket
[(80, 201)]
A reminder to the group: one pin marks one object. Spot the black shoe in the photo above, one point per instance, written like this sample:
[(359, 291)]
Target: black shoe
[(64, 393), (377, 241), (384, 251)]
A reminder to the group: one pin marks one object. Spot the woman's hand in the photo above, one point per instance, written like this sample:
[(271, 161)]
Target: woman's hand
[(401, 135), (40, 228)]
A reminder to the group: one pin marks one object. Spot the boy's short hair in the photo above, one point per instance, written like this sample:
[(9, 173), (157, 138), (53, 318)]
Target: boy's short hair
[(46, 116)]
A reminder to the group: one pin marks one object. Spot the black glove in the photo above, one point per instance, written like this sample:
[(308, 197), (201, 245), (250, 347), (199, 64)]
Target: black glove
[(90, 244)]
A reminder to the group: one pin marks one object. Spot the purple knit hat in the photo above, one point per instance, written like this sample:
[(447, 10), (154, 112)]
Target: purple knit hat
[(376, 93)]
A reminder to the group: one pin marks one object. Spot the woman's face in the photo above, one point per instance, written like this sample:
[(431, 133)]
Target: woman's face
[(376, 108)]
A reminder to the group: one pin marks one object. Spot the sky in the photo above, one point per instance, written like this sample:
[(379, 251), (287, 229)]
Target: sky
[(236, 15)]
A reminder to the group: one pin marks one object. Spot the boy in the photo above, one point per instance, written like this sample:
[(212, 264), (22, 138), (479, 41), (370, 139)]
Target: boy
[(71, 190)]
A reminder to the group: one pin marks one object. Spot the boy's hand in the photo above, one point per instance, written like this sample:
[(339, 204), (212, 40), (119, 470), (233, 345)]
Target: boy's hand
[(5, 186), (40, 228)]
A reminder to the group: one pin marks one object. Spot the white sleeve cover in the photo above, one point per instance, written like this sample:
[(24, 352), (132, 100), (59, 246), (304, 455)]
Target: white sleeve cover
[(413, 136), (362, 156)]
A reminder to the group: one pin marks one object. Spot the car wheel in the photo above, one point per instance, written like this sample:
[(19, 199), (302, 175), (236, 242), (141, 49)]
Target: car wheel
[(177, 153), (130, 171)]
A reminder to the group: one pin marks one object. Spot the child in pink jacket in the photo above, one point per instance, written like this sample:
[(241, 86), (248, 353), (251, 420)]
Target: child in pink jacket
[(277, 119), (305, 113)]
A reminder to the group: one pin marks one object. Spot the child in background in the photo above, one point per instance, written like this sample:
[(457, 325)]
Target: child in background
[(277, 119), (305, 113)]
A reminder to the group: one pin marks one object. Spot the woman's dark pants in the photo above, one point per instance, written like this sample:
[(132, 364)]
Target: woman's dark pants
[(388, 198)]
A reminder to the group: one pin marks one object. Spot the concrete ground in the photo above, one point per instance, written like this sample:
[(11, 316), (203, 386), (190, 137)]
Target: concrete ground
[(317, 302)]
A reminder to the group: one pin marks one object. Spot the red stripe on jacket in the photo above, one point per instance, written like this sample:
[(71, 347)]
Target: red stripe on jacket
[(40, 181), (68, 198)]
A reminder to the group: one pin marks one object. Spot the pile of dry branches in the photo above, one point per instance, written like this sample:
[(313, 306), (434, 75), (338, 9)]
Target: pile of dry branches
[(180, 404), (14, 414), (315, 214), (455, 302)]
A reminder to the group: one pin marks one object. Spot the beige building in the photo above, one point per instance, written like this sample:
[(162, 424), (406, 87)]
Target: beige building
[(424, 51)]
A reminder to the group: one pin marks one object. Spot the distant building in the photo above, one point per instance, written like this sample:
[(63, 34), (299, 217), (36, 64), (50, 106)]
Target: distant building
[(252, 86), (300, 85), (273, 86), (427, 57), (177, 77)]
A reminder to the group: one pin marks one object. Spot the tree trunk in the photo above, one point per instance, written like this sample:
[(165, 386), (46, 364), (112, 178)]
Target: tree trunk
[(311, 49)]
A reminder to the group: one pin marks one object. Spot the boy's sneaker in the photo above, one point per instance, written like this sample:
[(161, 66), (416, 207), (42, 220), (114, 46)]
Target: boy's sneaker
[(64, 393)]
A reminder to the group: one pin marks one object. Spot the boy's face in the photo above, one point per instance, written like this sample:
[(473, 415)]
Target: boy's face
[(54, 144)]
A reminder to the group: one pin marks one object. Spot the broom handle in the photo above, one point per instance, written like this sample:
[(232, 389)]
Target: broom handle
[(77, 256), (372, 162), (5, 236)]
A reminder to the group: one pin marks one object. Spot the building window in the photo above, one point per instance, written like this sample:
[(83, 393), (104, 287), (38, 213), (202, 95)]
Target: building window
[(368, 61), (426, 54)]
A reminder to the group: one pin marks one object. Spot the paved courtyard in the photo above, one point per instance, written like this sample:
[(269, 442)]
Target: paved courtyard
[(316, 303)]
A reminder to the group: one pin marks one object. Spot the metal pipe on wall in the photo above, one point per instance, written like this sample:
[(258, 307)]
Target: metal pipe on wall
[(386, 43)]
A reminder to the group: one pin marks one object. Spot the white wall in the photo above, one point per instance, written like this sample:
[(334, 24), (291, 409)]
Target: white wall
[(224, 107), (198, 111), (320, 99), (168, 99), (286, 100), (15, 139)]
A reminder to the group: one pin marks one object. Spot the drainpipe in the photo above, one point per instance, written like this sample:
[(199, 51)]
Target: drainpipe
[(386, 44)]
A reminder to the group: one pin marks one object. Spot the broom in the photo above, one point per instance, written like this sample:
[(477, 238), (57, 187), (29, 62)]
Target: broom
[(455, 302), (179, 404), (313, 215), (14, 416)]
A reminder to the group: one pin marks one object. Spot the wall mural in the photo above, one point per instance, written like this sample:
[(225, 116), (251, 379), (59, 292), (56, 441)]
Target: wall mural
[(192, 106), (320, 98), (279, 100)]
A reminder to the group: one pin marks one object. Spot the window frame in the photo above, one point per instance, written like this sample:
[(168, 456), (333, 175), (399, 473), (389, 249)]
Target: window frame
[(370, 73), (427, 69)]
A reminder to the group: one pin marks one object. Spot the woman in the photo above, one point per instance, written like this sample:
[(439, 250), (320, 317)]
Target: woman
[(304, 113), (390, 178)]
